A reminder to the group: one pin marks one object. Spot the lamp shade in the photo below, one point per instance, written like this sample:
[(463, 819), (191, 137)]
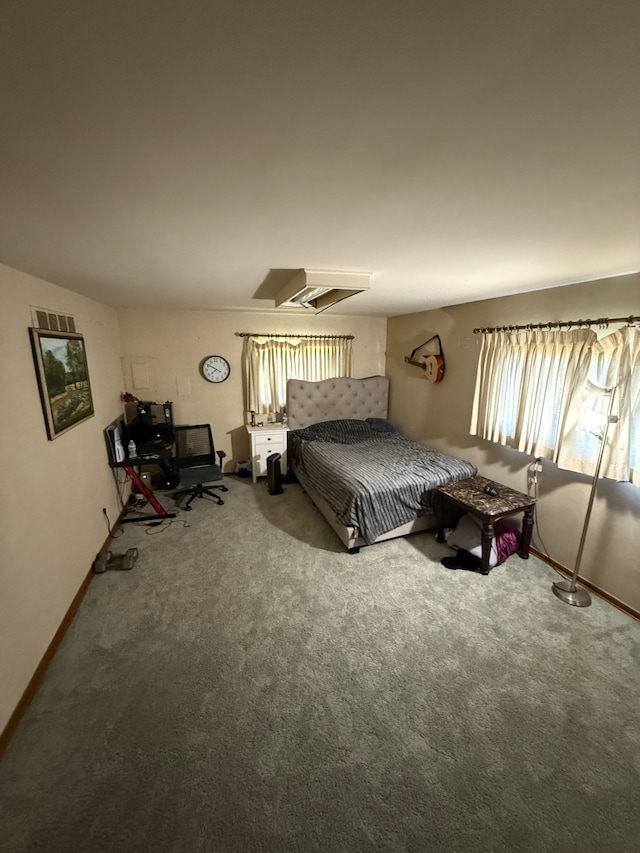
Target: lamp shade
[(591, 391), (593, 422)]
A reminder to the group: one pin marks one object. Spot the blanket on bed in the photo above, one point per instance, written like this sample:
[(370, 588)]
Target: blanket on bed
[(372, 476)]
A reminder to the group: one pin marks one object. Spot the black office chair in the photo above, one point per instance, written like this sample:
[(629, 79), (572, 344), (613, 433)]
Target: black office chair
[(195, 462)]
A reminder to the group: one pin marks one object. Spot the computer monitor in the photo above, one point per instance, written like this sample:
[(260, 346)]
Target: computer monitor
[(147, 421)]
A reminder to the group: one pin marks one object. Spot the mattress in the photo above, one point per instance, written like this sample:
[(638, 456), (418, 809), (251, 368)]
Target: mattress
[(373, 477)]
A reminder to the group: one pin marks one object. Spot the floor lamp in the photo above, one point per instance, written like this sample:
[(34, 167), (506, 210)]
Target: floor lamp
[(567, 590)]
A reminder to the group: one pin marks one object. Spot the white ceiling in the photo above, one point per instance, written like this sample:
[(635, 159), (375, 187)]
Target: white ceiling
[(192, 154)]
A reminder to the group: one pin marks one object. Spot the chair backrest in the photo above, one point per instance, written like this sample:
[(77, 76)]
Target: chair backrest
[(194, 446)]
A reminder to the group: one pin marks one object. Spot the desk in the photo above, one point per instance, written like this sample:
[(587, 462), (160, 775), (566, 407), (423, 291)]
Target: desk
[(470, 496), (161, 456)]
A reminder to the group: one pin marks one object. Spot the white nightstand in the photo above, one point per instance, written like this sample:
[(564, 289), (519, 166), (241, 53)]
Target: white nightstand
[(266, 440)]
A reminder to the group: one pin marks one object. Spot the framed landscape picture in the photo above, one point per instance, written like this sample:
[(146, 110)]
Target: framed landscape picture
[(63, 379)]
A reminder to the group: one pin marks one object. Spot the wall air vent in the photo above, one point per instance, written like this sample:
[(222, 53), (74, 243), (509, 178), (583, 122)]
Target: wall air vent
[(318, 290), (45, 318)]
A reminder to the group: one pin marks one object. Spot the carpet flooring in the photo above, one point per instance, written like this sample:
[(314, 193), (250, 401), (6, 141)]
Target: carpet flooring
[(250, 686)]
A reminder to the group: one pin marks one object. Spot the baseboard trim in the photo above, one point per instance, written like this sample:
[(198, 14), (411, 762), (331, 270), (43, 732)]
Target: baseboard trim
[(611, 599), (38, 676)]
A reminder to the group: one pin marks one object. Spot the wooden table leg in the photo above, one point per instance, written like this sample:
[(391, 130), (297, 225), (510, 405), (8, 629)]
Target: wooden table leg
[(527, 529), (487, 539), (438, 509)]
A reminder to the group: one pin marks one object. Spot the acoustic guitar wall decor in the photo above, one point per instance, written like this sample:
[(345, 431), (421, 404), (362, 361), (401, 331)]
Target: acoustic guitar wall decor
[(431, 363)]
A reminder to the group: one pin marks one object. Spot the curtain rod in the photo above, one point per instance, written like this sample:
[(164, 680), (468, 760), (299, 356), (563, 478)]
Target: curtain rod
[(291, 335), (601, 321)]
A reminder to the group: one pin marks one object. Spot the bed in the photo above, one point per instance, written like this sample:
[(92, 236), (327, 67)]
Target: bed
[(368, 480)]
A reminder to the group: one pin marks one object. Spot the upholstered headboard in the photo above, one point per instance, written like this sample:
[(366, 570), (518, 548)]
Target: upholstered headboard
[(331, 399)]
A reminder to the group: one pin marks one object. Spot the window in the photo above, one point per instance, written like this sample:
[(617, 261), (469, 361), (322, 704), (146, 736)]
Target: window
[(614, 361), (270, 361), (524, 383), (528, 396)]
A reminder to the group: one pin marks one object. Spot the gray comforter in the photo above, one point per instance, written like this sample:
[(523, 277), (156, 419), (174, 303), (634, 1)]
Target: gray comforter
[(373, 477)]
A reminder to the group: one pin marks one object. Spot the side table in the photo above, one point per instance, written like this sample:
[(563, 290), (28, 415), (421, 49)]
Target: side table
[(469, 495), (266, 440)]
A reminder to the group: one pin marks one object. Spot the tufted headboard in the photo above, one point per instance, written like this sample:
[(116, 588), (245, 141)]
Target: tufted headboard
[(331, 399)]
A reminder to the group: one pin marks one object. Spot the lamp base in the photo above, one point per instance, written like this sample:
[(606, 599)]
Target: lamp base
[(579, 596)]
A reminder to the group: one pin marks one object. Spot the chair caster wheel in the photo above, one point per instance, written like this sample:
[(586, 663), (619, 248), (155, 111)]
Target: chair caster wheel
[(221, 502), (224, 489), (188, 508)]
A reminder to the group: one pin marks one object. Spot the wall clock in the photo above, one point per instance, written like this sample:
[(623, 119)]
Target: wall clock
[(215, 368)]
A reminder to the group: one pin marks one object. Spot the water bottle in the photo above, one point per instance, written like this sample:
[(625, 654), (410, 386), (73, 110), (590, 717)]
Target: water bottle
[(285, 420), (132, 449)]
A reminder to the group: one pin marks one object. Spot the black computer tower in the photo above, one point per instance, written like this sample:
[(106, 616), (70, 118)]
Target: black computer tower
[(274, 474)]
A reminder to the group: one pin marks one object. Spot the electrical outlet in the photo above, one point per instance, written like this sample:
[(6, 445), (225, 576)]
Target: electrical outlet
[(537, 466)]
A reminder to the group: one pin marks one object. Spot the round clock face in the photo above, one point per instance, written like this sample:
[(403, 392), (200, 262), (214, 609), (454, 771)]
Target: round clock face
[(215, 368)]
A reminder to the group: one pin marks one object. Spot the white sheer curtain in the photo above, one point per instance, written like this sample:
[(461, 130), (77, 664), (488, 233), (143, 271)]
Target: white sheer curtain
[(615, 361), (270, 362), (524, 385)]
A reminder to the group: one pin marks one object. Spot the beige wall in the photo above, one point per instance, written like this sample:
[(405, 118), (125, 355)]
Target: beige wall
[(169, 346), (441, 414), (51, 522), (52, 494)]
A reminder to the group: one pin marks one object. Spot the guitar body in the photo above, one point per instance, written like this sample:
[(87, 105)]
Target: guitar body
[(434, 368), (433, 365)]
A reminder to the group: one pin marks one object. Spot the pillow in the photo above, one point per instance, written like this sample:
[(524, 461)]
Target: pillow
[(345, 431), (381, 425), (468, 537)]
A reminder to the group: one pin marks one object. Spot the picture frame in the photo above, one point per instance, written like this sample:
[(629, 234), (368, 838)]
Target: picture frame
[(63, 379)]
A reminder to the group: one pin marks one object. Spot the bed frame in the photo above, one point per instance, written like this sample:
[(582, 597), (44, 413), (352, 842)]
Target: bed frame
[(312, 402)]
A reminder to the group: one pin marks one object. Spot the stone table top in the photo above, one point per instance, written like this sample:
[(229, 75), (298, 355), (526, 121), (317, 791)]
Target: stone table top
[(470, 493)]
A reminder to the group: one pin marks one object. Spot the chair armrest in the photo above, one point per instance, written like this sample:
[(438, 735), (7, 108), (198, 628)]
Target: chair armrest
[(221, 455)]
